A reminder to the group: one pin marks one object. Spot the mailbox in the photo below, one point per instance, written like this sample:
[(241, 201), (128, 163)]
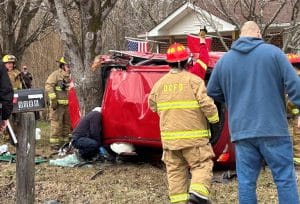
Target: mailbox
[(27, 100)]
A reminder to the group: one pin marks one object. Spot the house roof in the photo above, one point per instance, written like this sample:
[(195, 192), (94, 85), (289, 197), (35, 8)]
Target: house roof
[(188, 19)]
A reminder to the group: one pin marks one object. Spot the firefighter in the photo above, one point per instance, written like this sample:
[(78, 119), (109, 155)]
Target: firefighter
[(13, 73), (181, 102), (6, 96), (294, 111), (199, 67), (56, 87)]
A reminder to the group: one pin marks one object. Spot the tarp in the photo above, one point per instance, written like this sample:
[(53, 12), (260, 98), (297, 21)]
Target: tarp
[(13, 158)]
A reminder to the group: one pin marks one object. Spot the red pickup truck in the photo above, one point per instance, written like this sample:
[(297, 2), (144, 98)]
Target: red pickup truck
[(128, 78)]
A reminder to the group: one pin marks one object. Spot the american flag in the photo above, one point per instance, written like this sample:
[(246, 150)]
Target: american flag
[(140, 46)]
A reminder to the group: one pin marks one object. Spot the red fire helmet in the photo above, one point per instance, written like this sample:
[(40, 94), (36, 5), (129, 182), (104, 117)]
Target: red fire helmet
[(293, 58), (177, 53)]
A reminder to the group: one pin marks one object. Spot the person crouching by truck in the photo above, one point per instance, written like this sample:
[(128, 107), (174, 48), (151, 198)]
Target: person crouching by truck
[(183, 106), (86, 137)]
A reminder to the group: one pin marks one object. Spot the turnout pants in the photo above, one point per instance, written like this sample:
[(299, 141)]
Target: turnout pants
[(60, 125), (197, 161)]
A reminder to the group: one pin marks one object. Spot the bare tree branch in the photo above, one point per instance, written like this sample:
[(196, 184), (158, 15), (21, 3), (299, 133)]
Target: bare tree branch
[(44, 23), (107, 7), (267, 25), (26, 17), (20, 13)]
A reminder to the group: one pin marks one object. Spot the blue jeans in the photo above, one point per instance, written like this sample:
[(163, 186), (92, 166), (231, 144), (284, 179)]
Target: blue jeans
[(88, 147), (278, 154)]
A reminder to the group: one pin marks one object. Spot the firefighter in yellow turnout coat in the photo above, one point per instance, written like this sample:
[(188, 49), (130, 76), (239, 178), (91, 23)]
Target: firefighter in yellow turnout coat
[(56, 87), (13, 73), (181, 102)]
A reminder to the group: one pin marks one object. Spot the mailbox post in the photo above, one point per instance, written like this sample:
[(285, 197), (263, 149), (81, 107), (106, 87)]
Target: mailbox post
[(25, 102)]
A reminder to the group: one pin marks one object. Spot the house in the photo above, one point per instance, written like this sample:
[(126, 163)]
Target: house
[(188, 18)]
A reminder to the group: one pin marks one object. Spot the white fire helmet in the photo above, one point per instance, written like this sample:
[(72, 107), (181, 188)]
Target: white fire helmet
[(122, 147)]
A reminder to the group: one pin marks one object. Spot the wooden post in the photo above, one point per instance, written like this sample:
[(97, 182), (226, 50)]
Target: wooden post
[(25, 158)]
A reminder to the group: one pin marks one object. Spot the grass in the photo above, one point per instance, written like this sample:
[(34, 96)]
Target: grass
[(132, 183)]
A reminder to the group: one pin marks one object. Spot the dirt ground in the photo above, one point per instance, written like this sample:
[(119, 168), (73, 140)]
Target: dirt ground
[(120, 183)]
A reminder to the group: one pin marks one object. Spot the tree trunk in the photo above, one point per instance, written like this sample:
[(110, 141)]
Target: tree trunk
[(82, 49)]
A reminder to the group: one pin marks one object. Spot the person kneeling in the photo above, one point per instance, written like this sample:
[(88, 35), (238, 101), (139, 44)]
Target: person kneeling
[(86, 137)]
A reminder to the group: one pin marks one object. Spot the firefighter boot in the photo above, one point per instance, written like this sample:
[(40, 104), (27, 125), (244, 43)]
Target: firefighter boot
[(194, 199)]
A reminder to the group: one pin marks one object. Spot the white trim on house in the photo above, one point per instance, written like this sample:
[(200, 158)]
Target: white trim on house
[(187, 19)]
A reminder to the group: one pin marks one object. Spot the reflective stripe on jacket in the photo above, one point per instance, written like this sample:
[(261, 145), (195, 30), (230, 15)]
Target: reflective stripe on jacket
[(180, 100)]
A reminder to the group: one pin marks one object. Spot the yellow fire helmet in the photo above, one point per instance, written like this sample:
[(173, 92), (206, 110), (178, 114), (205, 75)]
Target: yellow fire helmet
[(9, 58), (62, 61)]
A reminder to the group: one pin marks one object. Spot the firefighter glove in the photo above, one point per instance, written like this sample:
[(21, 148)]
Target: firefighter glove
[(63, 85)]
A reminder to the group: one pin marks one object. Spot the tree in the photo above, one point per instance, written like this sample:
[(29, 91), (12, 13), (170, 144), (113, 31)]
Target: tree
[(292, 32), (82, 48), (21, 24), (265, 13), (133, 17)]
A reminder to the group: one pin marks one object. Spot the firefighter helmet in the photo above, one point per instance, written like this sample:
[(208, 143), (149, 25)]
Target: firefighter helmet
[(293, 58), (9, 58), (62, 61), (122, 147), (177, 53)]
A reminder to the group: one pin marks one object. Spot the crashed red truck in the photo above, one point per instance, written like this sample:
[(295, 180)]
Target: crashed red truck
[(128, 78)]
